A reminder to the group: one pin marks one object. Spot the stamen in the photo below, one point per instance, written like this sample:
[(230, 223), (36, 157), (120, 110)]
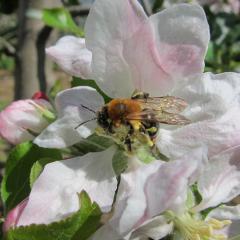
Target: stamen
[(197, 229)]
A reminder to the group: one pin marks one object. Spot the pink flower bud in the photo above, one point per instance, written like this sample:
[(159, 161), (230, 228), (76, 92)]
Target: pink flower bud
[(24, 119), (14, 215)]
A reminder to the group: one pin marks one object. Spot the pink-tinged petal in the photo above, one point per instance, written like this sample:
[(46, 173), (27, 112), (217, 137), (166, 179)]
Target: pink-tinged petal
[(143, 60), (130, 204), (156, 228), (54, 194), (182, 40), (109, 24), (172, 46), (21, 116), (166, 188), (72, 110), (147, 192), (228, 213), (220, 180), (14, 215), (71, 54), (214, 105)]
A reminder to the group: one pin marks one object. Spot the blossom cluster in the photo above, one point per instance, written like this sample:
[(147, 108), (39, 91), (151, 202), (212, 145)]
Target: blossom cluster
[(177, 182)]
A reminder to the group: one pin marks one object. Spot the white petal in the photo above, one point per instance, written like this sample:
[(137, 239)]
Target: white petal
[(214, 105), (228, 213), (72, 109), (109, 24), (156, 228), (71, 54), (106, 232), (54, 194), (172, 46), (220, 181)]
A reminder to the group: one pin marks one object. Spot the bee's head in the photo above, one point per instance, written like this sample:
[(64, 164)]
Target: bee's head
[(103, 117)]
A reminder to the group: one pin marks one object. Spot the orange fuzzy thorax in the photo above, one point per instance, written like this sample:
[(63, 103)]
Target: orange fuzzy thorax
[(119, 109)]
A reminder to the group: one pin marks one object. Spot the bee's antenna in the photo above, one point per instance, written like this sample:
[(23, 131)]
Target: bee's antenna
[(89, 109), (79, 125)]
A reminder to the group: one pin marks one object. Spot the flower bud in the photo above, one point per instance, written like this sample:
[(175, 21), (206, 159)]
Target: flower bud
[(23, 120), (14, 215)]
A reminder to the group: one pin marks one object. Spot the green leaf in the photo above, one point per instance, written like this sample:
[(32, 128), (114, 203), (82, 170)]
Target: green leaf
[(210, 53), (119, 161), (91, 83), (61, 19), (93, 143), (80, 226), (37, 169), (15, 185)]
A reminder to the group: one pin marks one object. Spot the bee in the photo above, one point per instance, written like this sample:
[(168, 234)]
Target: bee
[(142, 114)]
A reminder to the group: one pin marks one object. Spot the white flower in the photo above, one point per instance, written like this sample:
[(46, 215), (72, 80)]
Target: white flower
[(218, 183), (161, 55)]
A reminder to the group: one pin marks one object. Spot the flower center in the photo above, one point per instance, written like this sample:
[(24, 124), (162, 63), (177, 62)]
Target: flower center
[(191, 228)]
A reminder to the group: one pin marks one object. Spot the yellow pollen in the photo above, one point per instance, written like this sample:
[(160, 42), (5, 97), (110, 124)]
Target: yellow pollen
[(196, 229), (217, 225)]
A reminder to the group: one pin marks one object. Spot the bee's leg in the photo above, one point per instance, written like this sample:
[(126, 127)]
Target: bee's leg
[(128, 142), (110, 128), (143, 129), (128, 139)]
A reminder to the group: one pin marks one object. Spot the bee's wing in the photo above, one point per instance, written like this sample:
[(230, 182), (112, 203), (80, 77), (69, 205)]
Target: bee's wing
[(151, 115), (168, 104)]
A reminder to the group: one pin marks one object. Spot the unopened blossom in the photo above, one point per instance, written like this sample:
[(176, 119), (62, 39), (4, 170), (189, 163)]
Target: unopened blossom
[(23, 120), (14, 215)]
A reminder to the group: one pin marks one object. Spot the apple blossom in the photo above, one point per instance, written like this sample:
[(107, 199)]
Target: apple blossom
[(23, 120), (160, 195), (161, 55), (59, 183), (168, 60)]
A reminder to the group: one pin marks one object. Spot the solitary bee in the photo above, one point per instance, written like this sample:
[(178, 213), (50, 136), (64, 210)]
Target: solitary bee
[(142, 114)]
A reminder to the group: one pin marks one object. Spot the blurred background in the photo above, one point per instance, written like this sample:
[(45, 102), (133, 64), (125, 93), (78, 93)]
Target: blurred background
[(29, 26)]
